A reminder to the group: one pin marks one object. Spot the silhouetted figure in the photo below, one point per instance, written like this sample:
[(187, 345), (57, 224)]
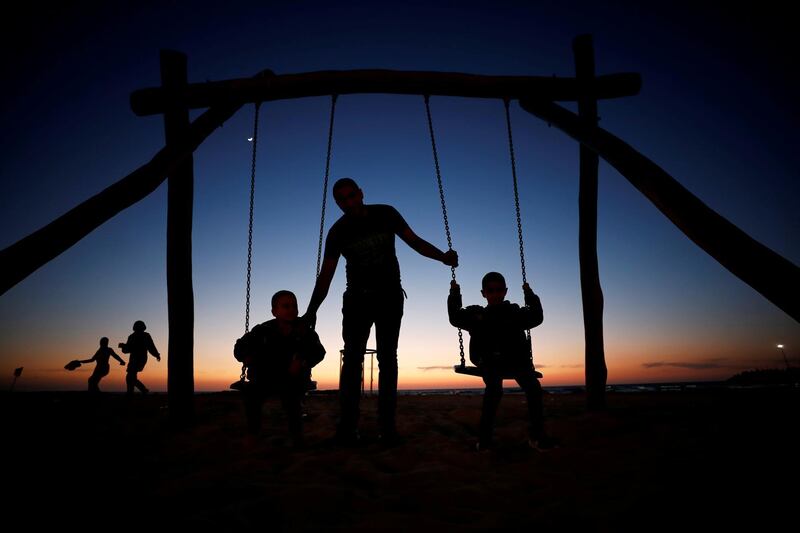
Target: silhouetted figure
[(279, 355), (139, 343), (498, 346), (101, 369), (365, 236)]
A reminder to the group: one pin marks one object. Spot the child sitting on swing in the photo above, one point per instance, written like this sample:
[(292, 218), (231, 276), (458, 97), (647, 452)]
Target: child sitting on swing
[(498, 347), (279, 355)]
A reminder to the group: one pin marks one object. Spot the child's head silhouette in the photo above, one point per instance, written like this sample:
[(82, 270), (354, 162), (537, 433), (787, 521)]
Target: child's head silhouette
[(104, 341), (493, 288), (284, 306), (139, 326)]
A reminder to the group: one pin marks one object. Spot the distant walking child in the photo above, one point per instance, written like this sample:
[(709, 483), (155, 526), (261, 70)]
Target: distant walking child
[(279, 355), (499, 347), (139, 343)]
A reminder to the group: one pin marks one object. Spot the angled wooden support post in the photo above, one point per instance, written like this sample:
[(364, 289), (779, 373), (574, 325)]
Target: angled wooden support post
[(180, 296), (771, 274), (591, 291), (25, 256)]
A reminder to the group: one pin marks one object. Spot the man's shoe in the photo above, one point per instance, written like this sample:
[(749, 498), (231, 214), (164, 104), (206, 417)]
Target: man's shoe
[(390, 439), (544, 443), (298, 442), (347, 439), (483, 447)]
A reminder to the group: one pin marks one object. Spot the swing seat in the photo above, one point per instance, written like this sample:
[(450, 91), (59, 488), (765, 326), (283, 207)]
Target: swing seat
[(239, 385), (242, 385), (475, 371)]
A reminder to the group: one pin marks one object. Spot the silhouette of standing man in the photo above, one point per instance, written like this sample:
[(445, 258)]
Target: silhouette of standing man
[(365, 236), (139, 343)]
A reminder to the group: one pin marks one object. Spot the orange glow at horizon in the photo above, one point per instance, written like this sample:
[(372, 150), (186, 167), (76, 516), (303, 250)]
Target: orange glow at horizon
[(212, 374)]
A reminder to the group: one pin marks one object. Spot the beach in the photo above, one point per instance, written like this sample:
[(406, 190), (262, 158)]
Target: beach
[(651, 461)]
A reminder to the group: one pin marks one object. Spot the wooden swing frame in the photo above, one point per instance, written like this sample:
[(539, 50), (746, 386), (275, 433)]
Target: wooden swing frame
[(776, 278)]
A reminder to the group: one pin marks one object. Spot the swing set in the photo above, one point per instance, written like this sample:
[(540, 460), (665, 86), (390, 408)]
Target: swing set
[(462, 367), (772, 275)]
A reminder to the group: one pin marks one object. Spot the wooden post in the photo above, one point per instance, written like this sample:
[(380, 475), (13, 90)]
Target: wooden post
[(180, 296), (591, 291)]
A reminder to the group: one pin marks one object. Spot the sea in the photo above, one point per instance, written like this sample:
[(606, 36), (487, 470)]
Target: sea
[(631, 388)]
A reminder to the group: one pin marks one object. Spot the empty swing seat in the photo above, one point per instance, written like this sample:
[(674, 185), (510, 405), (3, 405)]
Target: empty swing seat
[(475, 371)]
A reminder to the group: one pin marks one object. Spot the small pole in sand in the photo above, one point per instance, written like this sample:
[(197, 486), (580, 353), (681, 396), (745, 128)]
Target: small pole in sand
[(785, 359), (371, 366), (17, 373)]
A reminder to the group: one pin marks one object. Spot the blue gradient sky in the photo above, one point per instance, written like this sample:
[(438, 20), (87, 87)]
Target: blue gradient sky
[(717, 110)]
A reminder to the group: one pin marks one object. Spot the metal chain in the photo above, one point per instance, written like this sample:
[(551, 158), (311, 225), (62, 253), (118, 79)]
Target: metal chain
[(519, 217), (444, 211), (250, 229), (325, 184), (516, 191), (250, 224)]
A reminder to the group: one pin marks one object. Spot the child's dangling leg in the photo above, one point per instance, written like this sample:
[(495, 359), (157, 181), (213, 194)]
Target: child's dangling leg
[(291, 398), (533, 397), (537, 438), (253, 403), (491, 400)]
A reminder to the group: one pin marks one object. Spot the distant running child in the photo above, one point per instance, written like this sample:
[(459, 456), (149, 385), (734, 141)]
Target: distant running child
[(102, 368), (139, 343)]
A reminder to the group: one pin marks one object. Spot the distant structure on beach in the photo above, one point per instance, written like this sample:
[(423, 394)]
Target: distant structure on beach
[(766, 376)]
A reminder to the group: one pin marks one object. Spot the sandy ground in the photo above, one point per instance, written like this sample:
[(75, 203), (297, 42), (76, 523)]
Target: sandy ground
[(651, 461)]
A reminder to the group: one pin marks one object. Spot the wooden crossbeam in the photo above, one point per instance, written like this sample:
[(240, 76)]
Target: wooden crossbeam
[(154, 100)]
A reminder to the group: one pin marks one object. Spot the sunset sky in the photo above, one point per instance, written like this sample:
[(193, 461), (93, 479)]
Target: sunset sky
[(718, 111)]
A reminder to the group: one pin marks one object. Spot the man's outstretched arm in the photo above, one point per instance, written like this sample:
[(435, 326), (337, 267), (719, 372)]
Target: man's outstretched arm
[(326, 272), (423, 247)]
